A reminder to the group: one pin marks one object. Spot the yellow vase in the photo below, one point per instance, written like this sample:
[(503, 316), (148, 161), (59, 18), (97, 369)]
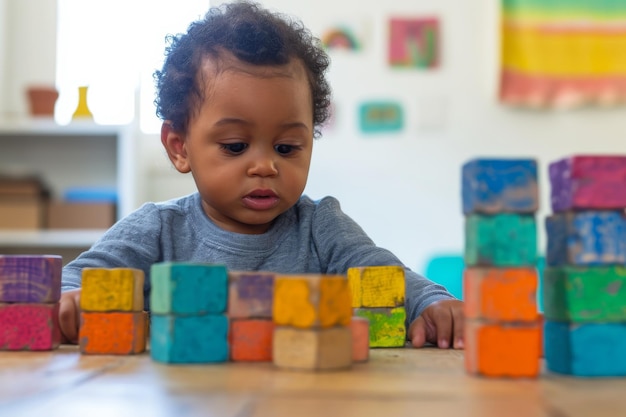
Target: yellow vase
[(82, 110)]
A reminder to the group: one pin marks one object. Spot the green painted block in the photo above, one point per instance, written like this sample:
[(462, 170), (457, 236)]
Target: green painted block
[(188, 288), (387, 325), (505, 239), (579, 294)]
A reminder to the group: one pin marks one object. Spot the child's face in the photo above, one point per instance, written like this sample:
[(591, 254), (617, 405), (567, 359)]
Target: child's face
[(249, 145)]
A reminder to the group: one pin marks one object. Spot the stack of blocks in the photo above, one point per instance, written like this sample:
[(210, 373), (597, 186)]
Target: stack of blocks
[(378, 294), (584, 285), (112, 320), (188, 313), (30, 289), (250, 302), (502, 327), (312, 315)]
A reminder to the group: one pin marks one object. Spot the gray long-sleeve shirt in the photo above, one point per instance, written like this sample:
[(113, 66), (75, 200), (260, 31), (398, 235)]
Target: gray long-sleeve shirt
[(311, 237)]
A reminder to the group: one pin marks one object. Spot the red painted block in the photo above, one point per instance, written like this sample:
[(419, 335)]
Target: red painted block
[(360, 339), (119, 333), (502, 349), (251, 340), (29, 326)]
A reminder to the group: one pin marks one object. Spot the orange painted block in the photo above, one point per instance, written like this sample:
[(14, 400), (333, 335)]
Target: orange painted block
[(122, 333), (251, 340), (312, 301), (500, 294), (360, 339), (502, 349)]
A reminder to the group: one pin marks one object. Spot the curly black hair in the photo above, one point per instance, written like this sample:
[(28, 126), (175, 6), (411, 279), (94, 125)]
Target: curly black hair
[(253, 35)]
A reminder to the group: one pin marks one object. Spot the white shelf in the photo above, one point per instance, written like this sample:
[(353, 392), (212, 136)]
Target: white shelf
[(49, 238), (47, 126)]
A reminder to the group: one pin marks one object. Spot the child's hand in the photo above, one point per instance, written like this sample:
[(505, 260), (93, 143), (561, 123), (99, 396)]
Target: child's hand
[(69, 316), (441, 324)]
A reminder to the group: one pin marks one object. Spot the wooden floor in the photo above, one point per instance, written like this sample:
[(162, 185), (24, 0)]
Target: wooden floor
[(396, 382)]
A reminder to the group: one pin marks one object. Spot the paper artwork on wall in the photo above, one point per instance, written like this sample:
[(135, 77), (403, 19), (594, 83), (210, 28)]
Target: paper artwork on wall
[(381, 117), (349, 34), (563, 53), (414, 43)]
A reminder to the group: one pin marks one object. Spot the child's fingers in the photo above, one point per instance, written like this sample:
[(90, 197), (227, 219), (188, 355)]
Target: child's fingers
[(459, 324), (69, 316), (444, 325), (417, 332)]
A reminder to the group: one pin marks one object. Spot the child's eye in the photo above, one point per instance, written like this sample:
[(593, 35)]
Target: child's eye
[(284, 149), (234, 148)]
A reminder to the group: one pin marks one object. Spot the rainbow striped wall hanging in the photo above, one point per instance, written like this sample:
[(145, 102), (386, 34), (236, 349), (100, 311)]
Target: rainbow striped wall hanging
[(563, 53)]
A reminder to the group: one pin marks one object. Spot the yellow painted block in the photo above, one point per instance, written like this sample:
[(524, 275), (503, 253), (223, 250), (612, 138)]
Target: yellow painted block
[(312, 349), (377, 286), (308, 301), (112, 289)]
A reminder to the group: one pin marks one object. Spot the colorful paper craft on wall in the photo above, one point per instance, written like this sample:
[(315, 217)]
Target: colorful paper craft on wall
[(340, 38), (563, 53), (380, 117), (414, 43)]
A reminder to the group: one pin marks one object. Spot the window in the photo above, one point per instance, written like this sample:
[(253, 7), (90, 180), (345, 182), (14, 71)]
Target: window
[(113, 47)]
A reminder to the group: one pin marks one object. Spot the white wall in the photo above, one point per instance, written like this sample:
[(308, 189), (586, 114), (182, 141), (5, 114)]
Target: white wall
[(403, 189)]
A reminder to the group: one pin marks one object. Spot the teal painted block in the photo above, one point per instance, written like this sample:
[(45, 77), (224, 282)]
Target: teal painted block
[(188, 288), (505, 239), (189, 339)]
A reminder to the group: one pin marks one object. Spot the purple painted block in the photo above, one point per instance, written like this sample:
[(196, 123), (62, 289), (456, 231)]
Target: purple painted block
[(30, 278), (588, 183), (250, 294)]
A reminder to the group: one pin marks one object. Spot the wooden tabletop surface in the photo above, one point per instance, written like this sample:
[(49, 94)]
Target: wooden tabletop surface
[(395, 382)]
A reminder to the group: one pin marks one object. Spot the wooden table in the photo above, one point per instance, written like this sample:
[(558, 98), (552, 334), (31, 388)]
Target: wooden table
[(395, 382)]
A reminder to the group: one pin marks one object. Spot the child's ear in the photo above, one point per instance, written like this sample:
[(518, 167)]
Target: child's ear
[(174, 143)]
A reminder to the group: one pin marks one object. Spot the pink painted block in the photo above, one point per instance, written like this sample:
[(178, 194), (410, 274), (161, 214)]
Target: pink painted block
[(29, 326), (250, 294), (588, 182), (30, 278)]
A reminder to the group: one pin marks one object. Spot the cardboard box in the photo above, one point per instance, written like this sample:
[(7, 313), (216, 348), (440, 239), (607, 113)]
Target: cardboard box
[(22, 213), (65, 215)]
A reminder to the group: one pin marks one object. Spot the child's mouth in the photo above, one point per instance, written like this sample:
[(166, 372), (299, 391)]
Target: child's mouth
[(260, 200)]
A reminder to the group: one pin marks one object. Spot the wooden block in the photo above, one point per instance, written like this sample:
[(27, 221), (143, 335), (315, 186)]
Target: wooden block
[(588, 238), (582, 294), (112, 289), (493, 186), (312, 349), (188, 288), (588, 350), (502, 349), (500, 294), (29, 326), (30, 278), (189, 339), (312, 300), (500, 240), (588, 182), (251, 340), (360, 339), (377, 286), (113, 333), (250, 294), (387, 326)]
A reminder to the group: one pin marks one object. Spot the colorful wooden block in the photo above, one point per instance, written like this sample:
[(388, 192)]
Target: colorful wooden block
[(502, 349), (312, 300), (112, 289), (387, 326), (506, 239), (30, 278), (493, 186), (377, 286), (250, 294), (188, 288), (586, 238), (312, 349), (251, 340), (500, 294), (29, 326), (189, 339), (581, 294), (360, 339), (588, 182), (113, 333), (588, 350)]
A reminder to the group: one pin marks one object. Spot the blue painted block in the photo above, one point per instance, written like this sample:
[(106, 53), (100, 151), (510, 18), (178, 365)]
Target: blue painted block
[(589, 350), (188, 288), (189, 339), (491, 186), (588, 238)]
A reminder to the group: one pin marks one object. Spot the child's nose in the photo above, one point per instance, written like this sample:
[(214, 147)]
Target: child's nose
[(263, 165)]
